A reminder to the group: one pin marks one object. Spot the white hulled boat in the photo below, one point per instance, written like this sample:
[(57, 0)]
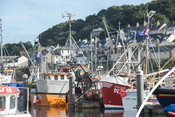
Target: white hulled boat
[(9, 102)]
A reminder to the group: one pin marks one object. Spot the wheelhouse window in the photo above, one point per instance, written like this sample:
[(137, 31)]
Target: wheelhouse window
[(56, 77), (67, 76), (12, 102), (2, 103), (48, 77)]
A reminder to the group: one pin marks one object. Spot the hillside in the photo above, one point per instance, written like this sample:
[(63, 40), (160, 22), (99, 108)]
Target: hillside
[(126, 14)]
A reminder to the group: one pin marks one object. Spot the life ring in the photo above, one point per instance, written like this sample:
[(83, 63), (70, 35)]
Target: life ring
[(122, 92)]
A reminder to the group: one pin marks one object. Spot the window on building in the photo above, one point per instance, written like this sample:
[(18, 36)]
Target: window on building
[(62, 77), (12, 102), (2, 102)]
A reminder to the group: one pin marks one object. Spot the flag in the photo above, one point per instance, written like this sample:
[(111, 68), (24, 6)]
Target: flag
[(38, 55), (145, 32)]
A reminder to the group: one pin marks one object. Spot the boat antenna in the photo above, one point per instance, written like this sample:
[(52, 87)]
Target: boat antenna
[(69, 15), (71, 39)]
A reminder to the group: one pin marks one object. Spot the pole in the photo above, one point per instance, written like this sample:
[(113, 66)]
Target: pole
[(91, 56), (146, 69), (69, 15), (95, 65), (71, 91), (71, 95), (25, 83), (140, 88), (1, 41), (139, 57)]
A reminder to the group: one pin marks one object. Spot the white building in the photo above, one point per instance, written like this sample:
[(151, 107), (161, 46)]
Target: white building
[(20, 61), (62, 55)]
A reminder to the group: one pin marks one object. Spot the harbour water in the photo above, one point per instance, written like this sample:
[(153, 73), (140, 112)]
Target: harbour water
[(64, 112)]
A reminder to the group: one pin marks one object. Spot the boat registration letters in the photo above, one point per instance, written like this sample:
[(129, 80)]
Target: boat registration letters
[(8, 89)]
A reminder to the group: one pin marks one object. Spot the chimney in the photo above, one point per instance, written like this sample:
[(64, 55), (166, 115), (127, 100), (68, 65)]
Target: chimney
[(137, 24), (158, 23), (144, 23), (129, 26)]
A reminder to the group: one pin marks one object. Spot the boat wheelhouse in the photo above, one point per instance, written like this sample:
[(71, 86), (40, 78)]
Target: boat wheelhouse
[(9, 102)]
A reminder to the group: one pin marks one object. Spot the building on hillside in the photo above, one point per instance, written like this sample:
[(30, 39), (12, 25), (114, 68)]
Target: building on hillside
[(20, 61)]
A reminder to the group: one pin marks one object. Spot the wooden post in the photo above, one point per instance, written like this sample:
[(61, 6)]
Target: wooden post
[(146, 69)]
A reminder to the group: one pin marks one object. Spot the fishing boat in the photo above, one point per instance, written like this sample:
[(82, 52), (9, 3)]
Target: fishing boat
[(121, 74), (5, 72), (130, 99), (6, 76), (111, 96), (165, 96), (52, 84), (51, 88), (118, 80), (9, 102), (129, 57)]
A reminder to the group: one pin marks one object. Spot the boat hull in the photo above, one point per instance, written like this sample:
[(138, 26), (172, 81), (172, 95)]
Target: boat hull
[(18, 115), (48, 99), (165, 96), (130, 100), (111, 95)]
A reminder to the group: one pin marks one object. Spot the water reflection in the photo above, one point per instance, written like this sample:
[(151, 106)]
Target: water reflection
[(49, 112), (96, 112), (113, 113), (65, 112)]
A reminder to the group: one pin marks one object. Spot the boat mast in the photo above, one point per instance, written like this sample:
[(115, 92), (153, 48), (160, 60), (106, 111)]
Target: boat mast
[(1, 41), (149, 15), (92, 71), (111, 44), (69, 15), (73, 45)]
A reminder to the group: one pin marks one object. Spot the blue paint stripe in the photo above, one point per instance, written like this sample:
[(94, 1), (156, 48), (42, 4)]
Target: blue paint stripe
[(114, 108)]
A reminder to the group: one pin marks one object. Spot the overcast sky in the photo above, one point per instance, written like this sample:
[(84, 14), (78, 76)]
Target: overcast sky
[(24, 20)]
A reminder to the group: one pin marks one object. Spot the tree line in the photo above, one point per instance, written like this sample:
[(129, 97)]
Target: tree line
[(81, 29)]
